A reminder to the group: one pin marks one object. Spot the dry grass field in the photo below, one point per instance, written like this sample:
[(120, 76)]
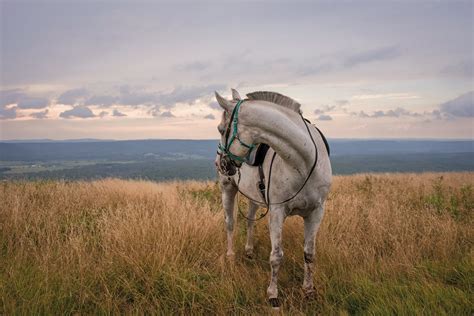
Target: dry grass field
[(389, 244)]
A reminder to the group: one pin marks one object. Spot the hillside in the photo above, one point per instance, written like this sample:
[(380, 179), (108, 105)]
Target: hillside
[(389, 243), (160, 160)]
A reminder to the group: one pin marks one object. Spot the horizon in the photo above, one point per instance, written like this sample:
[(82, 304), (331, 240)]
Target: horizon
[(217, 139), (140, 70)]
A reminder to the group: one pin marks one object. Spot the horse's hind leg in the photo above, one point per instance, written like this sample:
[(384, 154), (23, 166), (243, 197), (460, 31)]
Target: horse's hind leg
[(250, 228), (277, 216), (229, 190), (311, 226)]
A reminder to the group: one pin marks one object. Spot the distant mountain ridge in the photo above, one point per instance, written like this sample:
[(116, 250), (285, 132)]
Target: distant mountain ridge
[(88, 149)]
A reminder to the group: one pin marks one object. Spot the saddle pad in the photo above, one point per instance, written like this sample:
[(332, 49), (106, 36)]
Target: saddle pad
[(258, 155)]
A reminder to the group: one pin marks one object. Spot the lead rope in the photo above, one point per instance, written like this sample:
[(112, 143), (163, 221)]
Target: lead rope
[(267, 200)]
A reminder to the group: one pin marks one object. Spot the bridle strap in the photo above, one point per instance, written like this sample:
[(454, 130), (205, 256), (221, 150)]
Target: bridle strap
[(234, 119)]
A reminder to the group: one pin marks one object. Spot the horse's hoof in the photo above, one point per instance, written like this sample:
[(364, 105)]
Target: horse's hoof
[(275, 303)]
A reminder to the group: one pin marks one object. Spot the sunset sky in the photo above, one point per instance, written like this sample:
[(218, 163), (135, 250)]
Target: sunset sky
[(135, 70)]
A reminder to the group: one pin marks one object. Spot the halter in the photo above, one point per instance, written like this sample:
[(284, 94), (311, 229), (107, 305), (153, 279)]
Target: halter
[(225, 150)]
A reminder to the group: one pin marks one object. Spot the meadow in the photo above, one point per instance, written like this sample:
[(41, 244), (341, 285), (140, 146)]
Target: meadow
[(388, 244)]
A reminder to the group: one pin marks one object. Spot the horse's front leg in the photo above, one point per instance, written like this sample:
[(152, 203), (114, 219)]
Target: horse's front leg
[(311, 227), (229, 190), (250, 228), (277, 216)]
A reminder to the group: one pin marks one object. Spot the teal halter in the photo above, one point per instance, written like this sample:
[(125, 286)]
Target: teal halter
[(234, 119)]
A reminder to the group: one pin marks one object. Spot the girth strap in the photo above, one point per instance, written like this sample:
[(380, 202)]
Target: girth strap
[(261, 184)]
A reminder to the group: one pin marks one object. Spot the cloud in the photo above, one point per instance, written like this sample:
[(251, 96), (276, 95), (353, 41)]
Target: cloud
[(101, 100), (462, 106), (324, 117), (342, 102), (360, 114), (214, 105), (32, 103), (40, 115), (394, 96), (134, 98), (383, 53), (79, 112), (314, 69), (11, 96), (398, 112), (210, 117), (188, 94), (22, 99), (194, 66), (8, 113), (167, 114), (324, 109), (71, 97), (103, 114), (117, 113), (463, 69)]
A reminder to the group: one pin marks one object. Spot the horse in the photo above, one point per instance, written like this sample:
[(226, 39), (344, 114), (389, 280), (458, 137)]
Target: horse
[(295, 181)]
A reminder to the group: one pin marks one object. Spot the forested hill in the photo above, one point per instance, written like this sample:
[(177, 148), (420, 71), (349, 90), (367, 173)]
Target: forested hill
[(193, 159), (204, 149)]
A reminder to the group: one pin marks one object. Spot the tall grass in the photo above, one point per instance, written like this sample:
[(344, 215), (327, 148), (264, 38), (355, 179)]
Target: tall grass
[(388, 244)]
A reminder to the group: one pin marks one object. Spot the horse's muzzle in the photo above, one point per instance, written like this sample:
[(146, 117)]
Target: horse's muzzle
[(226, 166)]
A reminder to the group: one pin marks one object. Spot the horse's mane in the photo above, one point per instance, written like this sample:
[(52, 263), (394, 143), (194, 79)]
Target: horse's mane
[(276, 98)]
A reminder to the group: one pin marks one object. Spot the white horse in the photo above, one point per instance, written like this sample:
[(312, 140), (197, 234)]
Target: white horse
[(297, 177)]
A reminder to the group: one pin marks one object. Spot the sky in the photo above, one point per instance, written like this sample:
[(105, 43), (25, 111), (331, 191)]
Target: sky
[(140, 70)]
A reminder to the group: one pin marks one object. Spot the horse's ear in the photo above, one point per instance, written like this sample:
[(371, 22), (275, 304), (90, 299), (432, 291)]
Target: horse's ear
[(235, 95), (225, 104)]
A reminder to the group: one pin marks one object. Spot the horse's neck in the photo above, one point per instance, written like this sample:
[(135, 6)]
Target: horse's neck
[(284, 131)]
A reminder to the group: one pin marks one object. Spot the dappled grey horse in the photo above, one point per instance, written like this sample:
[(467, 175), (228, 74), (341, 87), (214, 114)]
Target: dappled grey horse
[(294, 181)]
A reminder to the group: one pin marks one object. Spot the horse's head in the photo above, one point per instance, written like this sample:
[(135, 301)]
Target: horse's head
[(235, 144)]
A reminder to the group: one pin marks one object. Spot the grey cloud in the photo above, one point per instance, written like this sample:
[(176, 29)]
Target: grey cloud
[(22, 99), (33, 103), (372, 55), (342, 102), (40, 115), (318, 111), (463, 69), (101, 100), (324, 117), (210, 116), (103, 114), (137, 98), (194, 66), (179, 94), (398, 112), (188, 94), (7, 113), (167, 114), (214, 105), (462, 106), (79, 112), (314, 69), (11, 96), (117, 113), (71, 97), (324, 109)]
